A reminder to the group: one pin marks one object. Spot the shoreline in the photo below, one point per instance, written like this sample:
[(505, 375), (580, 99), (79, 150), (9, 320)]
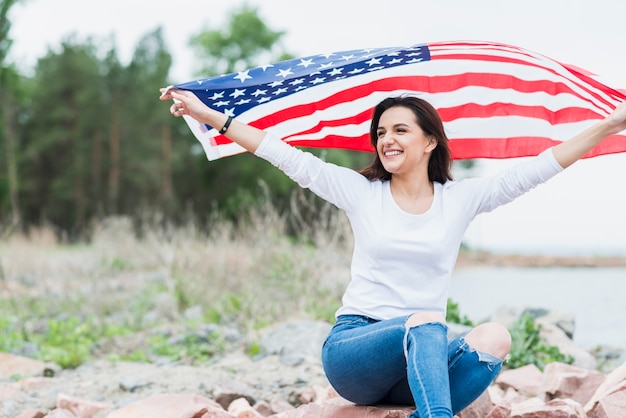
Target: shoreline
[(469, 258)]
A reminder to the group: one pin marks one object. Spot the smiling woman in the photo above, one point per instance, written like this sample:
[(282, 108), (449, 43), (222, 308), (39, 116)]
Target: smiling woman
[(413, 149), (408, 218), (535, 223)]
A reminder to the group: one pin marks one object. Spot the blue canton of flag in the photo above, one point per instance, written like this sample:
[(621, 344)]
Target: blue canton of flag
[(236, 93)]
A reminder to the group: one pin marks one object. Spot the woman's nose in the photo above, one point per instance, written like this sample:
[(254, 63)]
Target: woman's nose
[(387, 138)]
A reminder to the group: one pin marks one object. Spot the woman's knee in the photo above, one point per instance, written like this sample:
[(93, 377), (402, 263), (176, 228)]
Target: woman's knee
[(490, 337), (424, 318)]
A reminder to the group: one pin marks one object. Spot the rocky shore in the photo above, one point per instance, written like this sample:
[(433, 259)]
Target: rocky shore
[(287, 381), (474, 258)]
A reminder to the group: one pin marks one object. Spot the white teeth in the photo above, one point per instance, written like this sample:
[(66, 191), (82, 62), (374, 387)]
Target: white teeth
[(392, 153)]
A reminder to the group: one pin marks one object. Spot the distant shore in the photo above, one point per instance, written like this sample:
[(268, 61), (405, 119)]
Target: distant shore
[(477, 258)]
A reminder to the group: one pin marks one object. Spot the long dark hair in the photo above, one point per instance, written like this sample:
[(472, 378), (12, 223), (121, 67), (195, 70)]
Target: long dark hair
[(429, 121)]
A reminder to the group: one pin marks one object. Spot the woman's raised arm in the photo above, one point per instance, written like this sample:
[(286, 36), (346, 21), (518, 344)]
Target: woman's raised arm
[(568, 152), (187, 103)]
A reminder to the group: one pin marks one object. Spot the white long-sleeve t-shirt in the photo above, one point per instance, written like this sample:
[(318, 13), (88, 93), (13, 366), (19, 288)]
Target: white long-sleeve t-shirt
[(402, 263)]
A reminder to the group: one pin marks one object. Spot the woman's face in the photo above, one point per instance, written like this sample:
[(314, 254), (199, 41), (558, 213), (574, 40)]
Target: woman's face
[(402, 146)]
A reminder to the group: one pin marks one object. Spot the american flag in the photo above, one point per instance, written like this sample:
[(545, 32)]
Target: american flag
[(496, 100)]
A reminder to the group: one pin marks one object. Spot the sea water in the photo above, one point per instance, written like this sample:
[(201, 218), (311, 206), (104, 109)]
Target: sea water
[(595, 296)]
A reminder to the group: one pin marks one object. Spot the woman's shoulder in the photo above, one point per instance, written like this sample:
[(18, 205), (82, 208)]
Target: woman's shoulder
[(466, 185)]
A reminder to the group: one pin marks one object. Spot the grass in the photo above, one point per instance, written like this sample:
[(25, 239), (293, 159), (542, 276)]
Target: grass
[(70, 302), (145, 290)]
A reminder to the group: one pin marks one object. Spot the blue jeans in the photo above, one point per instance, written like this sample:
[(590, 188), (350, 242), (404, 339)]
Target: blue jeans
[(372, 362)]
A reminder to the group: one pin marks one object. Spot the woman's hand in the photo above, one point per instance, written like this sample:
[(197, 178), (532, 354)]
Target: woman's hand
[(187, 103)]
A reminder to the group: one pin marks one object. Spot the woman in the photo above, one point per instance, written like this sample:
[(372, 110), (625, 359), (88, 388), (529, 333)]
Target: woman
[(389, 344)]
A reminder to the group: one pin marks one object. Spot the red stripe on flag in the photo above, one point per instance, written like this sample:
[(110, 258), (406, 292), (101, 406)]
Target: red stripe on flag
[(473, 110), (360, 143), (469, 83), (514, 147), (489, 58), (425, 84)]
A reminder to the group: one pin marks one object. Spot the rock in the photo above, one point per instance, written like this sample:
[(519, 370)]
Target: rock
[(608, 358), (170, 405), (525, 380), (286, 383), (566, 381), (503, 397), (564, 321), (31, 413), (241, 408), (263, 408), (278, 405), (480, 408), (553, 335), (62, 413), (612, 405), (80, 407), (340, 408), (301, 338), (131, 384), (612, 383), (8, 392), (12, 365), (557, 408), (500, 411), (226, 392)]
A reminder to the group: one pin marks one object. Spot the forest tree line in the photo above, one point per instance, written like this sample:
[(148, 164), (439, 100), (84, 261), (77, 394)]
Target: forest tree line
[(85, 137)]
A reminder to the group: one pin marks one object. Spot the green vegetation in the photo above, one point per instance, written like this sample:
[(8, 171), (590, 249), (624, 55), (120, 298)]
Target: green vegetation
[(89, 265), (72, 341), (123, 153), (188, 295), (529, 348), (145, 292), (67, 342), (453, 314)]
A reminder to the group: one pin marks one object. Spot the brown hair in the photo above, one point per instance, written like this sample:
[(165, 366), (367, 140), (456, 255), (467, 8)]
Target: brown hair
[(429, 121)]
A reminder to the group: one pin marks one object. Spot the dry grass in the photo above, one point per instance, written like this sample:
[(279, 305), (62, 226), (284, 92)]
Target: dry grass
[(140, 274)]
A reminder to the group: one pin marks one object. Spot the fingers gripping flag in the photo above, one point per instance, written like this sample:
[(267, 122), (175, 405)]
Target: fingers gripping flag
[(496, 100)]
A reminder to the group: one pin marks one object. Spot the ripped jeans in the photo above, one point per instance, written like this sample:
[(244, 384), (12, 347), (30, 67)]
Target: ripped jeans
[(365, 360)]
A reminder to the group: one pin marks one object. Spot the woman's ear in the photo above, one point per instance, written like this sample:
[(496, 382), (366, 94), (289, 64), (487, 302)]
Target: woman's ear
[(432, 144)]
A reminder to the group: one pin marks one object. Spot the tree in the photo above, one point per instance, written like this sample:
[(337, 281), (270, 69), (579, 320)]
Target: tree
[(234, 182), (93, 140), (243, 43), (67, 109), (147, 128), (114, 87), (9, 81)]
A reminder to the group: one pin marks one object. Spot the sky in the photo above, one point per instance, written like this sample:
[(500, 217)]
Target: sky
[(580, 212)]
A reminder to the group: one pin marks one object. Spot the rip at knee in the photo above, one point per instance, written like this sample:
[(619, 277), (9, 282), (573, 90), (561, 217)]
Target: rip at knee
[(489, 360), (490, 339), (424, 318), (418, 319)]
